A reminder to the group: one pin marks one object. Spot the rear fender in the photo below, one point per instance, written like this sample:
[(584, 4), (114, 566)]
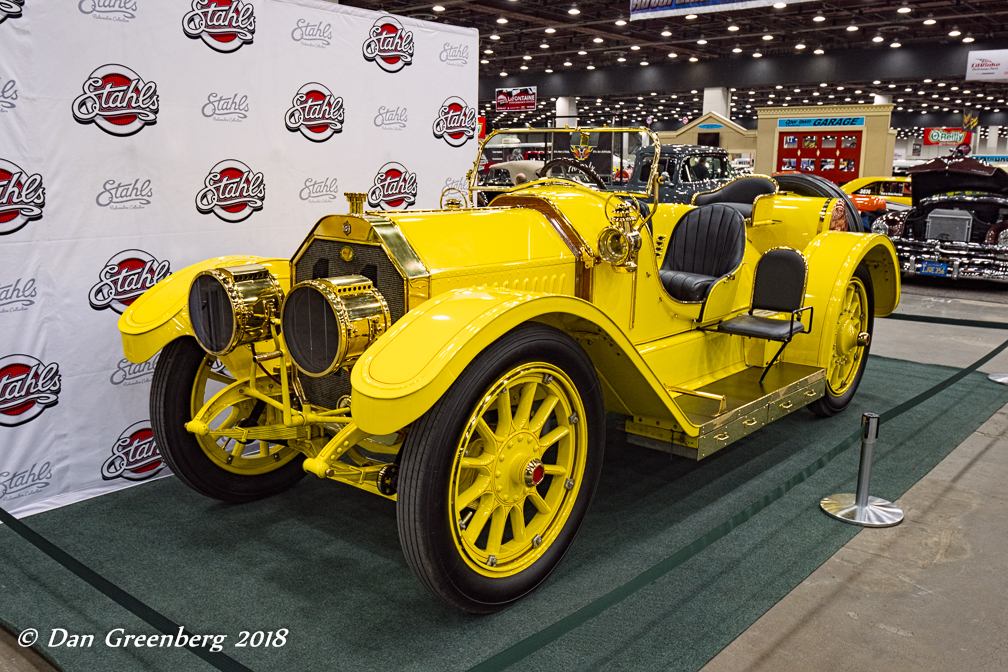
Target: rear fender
[(161, 314), (412, 365), (832, 259)]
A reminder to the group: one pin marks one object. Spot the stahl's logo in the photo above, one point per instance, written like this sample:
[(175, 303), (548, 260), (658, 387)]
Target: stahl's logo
[(389, 45), (18, 484), (127, 373), (456, 122), (232, 191), (109, 10), (316, 112), (457, 55), (226, 108), (11, 8), (395, 188), (116, 195), (22, 197), (17, 296), (319, 191), (135, 456), (312, 34), (223, 25), (8, 94), (27, 387), (126, 276), (462, 184), (117, 101), (391, 118)]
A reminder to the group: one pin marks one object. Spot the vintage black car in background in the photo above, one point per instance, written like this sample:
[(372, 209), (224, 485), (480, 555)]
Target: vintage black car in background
[(687, 170), (957, 226)]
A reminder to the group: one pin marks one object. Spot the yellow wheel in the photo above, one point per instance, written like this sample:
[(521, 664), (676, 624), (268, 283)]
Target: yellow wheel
[(851, 342), (496, 478), (184, 378)]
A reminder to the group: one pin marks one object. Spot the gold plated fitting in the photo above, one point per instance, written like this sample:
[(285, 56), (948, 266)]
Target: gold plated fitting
[(620, 242), (232, 306), (356, 200), (329, 323)]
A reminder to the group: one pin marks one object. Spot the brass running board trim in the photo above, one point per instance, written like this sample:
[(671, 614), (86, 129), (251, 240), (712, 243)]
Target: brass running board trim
[(743, 407)]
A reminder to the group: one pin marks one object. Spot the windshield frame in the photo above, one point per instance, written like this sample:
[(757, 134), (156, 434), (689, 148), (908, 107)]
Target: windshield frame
[(473, 174)]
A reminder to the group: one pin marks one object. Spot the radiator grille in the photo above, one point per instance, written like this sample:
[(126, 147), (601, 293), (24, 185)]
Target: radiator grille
[(949, 225), (322, 260)]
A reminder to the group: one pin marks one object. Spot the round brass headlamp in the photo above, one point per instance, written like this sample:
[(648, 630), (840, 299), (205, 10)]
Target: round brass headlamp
[(329, 323), (232, 306)]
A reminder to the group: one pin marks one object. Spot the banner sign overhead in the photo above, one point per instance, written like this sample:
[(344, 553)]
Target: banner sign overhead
[(517, 99), (655, 9), (182, 130), (987, 66), (820, 122), (946, 136)]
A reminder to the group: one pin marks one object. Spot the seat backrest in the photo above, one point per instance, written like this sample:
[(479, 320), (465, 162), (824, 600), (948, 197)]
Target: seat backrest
[(709, 240), (779, 284), (742, 190)]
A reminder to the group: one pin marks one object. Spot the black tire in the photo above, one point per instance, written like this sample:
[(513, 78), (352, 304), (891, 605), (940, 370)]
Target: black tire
[(427, 457), (829, 405), (171, 392)]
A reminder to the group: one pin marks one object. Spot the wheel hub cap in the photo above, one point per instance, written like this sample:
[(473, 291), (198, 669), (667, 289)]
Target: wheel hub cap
[(534, 473)]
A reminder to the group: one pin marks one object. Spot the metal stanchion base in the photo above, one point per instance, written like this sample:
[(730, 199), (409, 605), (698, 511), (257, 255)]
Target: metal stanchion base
[(999, 378), (878, 513)]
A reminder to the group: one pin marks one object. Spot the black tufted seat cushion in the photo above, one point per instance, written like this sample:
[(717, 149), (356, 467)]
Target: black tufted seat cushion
[(706, 244), (739, 194)]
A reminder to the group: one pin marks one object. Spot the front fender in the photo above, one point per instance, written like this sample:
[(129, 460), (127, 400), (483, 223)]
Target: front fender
[(832, 259), (411, 366), (161, 314)]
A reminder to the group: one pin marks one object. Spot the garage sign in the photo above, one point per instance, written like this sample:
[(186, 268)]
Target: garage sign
[(946, 136), (820, 122), (516, 99)]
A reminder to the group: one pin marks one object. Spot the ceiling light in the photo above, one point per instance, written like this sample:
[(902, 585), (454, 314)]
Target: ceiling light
[(878, 82), (757, 55), (892, 86), (768, 37), (904, 10), (799, 46), (544, 46), (502, 20), (598, 40), (672, 54), (690, 17), (737, 50), (635, 48), (644, 63), (551, 30), (666, 33), (621, 59), (488, 51), (818, 17), (968, 39), (693, 59), (582, 53), (549, 70), (779, 87), (438, 8), (591, 67), (568, 63), (877, 38), (503, 74), (929, 21), (484, 61), (573, 11), (780, 5), (824, 84), (954, 32), (819, 52), (495, 37), (620, 22), (941, 83), (733, 28), (851, 28), (527, 57), (895, 45), (701, 41), (524, 67)]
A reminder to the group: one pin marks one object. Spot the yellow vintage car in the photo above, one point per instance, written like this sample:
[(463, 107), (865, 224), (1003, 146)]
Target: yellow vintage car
[(461, 361), (892, 189)]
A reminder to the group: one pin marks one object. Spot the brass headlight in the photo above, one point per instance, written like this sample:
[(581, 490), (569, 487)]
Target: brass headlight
[(329, 323), (232, 306)]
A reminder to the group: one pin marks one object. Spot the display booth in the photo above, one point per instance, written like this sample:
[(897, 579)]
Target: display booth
[(837, 142), (713, 130)]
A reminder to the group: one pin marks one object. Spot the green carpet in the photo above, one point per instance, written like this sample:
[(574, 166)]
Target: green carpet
[(323, 560)]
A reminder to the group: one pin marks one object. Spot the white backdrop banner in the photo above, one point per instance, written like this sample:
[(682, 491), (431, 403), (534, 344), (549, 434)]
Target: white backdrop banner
[(140, 136)]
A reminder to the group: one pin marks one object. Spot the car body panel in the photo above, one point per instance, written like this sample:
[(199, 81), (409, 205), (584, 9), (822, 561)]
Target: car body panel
[(882, 187)]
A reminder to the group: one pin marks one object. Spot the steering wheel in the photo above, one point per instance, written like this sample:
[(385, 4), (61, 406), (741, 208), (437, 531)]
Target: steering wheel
[(571, 163)]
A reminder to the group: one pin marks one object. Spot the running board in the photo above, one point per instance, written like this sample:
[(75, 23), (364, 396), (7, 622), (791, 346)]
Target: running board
[(731, 408)]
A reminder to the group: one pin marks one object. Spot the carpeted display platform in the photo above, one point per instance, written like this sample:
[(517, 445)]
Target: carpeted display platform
[(323, 560)]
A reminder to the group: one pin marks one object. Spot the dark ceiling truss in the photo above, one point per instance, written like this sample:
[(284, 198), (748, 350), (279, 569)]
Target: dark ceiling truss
[(527, 21)]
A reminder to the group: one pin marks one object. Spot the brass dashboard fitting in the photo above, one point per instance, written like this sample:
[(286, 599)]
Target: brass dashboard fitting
[(356, 200), (232, 306), (328, 323), (620, 242)]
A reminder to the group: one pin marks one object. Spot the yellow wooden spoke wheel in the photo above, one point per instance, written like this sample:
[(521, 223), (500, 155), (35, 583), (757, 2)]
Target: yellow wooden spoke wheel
[(249, 459), (851, 340), (517, 469), (184, 378), (496, 478)]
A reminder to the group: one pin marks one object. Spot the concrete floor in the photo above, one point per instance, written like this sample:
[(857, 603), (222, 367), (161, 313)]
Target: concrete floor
[(926, 595)]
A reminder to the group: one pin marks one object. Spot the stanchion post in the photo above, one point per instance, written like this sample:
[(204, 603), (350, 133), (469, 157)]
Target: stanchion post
[(862, 508)]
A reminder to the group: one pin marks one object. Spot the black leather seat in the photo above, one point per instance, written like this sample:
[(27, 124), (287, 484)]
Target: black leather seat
[(739, 194), (778, 286), (706, 244)]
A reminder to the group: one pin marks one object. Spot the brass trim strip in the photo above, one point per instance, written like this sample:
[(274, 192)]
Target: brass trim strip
[(720, 398)]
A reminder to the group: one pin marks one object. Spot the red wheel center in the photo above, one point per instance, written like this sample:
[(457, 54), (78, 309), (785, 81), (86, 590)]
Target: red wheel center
[(534, 473)]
